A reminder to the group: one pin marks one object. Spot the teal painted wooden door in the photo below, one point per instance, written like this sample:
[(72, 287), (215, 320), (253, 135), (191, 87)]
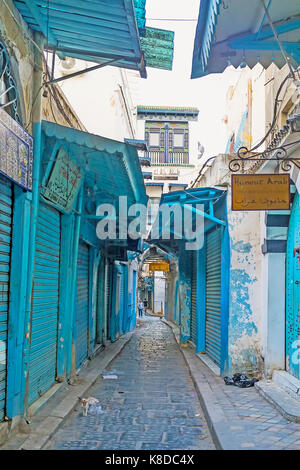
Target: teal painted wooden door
[(82, 304), (5, 251), (213, 296), (293, 292), (45, 301)]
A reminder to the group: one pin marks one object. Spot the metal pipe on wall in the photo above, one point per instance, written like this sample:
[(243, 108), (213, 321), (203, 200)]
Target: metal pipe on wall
[(70, 362), (37, 150)]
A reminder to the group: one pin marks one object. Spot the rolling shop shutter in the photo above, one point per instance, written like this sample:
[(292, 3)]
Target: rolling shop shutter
[(213, 296), (82, 304), (193, 323), (45, 298), (5, 250), (108, 298)]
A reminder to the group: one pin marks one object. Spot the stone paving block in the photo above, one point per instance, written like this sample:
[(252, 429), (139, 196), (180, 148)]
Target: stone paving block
[(140, 417)]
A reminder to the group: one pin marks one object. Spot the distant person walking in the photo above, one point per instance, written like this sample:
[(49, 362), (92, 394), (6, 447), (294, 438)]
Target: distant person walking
[(141, 307)]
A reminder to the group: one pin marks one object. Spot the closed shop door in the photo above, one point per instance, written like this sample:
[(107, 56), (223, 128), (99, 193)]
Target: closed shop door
[(193, 323), (82, 304), (45, 301), (5, 250), (213, 296), (293, 292)]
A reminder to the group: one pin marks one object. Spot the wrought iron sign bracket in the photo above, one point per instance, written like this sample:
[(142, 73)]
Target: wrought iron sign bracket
[(280, 156)]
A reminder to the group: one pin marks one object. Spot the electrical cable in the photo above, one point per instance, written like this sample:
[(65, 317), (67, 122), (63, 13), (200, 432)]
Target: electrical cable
[(172, 19), (275, 116), (277, 39)]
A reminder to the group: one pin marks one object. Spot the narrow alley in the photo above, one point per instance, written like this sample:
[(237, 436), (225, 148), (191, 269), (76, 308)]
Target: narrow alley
[(149, 226), (152, 405)]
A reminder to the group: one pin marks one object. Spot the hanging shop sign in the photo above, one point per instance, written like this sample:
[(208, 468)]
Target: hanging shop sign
[(64, 182), (159, 266), (260, 192), (15, 151)]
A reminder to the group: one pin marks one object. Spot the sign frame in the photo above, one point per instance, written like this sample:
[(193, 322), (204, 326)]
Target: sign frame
[(65, 201), (164, 264), (286, 175)]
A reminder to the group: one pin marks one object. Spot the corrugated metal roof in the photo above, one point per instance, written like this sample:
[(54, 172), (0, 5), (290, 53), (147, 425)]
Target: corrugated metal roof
[(238, 32), (93, 30), (178, 109), (112, 166), (158, 47), (140, 13)]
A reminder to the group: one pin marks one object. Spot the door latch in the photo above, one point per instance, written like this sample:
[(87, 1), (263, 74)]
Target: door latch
[(297, 250)]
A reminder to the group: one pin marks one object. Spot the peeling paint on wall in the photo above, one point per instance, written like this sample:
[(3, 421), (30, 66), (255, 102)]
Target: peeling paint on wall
[(185, 306), (245, 309)]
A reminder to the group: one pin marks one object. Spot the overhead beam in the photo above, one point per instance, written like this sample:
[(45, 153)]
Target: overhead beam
[(262, 45), (34, 10), (205, 215), (268, 33)]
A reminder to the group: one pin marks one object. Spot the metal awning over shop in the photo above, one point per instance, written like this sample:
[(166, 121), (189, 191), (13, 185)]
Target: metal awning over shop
[(93, 30), (212, 210), (238, 33), (111, 168)]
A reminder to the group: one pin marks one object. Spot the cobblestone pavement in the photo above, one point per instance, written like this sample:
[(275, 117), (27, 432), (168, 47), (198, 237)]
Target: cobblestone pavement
[(266, 428), (249, 421), (152, 405)]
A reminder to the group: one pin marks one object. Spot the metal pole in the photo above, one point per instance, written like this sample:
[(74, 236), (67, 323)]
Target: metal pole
[(80, 72), (70, 369), (37, 150), (277, 38)]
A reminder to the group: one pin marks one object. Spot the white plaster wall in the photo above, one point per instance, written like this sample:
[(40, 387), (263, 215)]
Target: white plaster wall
[(246, 291), (102, 99), (238, 99), (159, 291), (248, 277)]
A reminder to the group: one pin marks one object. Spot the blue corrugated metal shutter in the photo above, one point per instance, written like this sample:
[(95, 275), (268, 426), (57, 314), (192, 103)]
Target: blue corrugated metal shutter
[(5, 250), (108, 299), (44, 308), (82, 304), (293, 292), (213, 296), (193, 323)]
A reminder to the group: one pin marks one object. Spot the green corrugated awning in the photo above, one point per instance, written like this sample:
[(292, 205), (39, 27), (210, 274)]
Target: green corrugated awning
[(140, 14), (158, 48)]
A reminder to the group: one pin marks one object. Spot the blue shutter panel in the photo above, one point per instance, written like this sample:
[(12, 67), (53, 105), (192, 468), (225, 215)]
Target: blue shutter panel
[(5, 251), (44, 308), (213, 296), (82, 304), (293, 292)]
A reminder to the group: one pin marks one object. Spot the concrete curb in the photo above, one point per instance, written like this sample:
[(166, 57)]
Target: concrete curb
[(288, 406), (223, 432), (43, 432)]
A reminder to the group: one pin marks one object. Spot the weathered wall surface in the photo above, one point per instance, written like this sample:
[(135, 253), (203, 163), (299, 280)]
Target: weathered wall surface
[(245, 294), (171, 294), (289, 96), (56, 108), (17, 39), (101, 98), (246, 277)]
